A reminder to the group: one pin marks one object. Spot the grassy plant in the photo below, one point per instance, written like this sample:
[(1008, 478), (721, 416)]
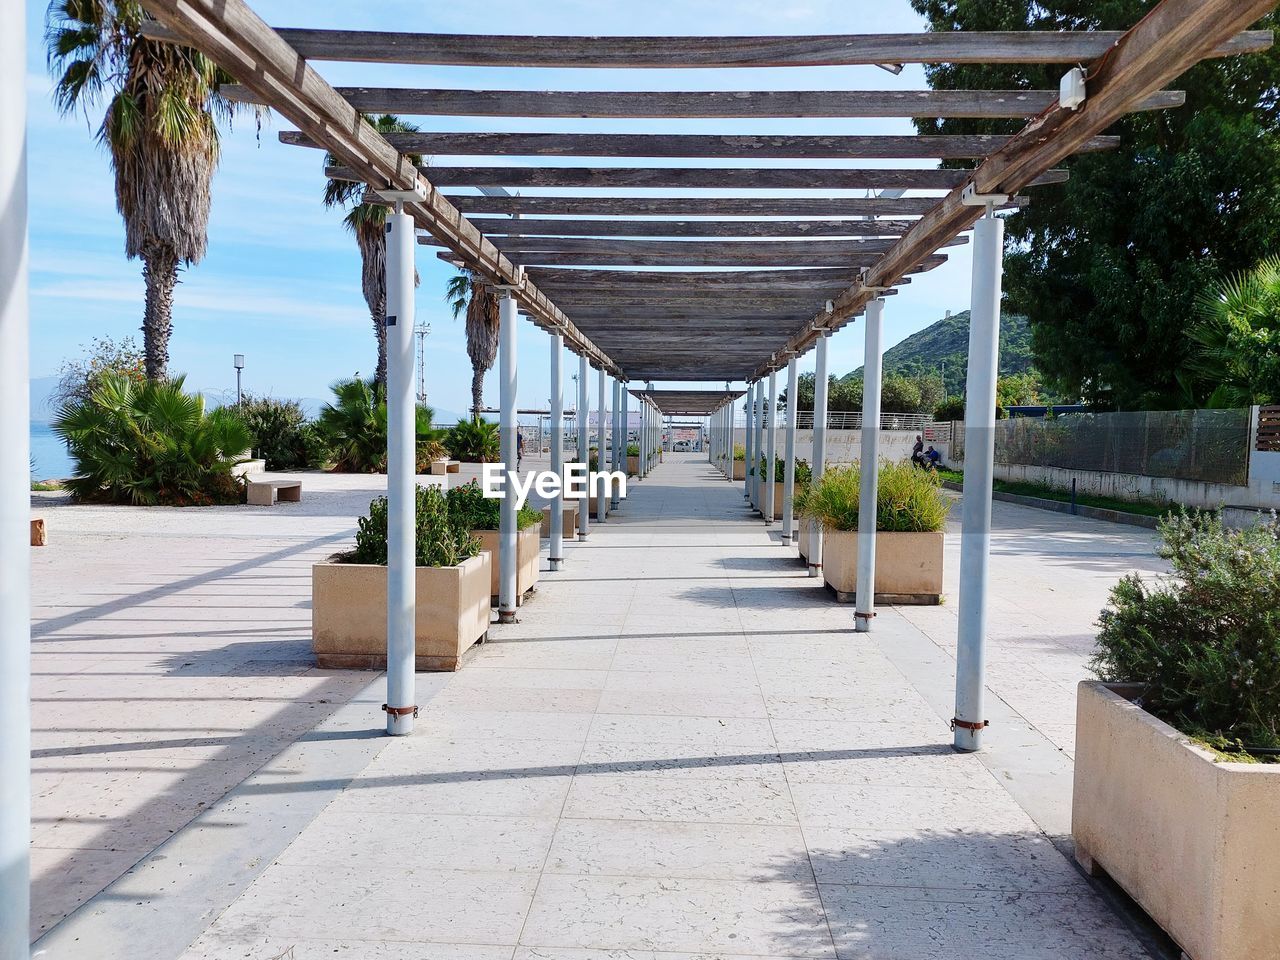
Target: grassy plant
[(909, 500), (739, 452), (1205, 642), (440, 539), (150, 443)]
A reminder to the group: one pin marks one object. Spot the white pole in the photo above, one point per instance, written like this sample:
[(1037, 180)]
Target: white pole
[(618, 443), (584, 451), (555, 550), (869, 468), (757, 449), (626, 424), (789, 476), (771, 449), (819, 443), (601, 504), (401, 467), (748, 436), (507, 427), (979, 456), (15, 497)]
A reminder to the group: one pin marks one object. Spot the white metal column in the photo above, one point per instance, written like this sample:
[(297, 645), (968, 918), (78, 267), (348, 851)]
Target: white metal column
[(584, 445), (15, 497), (771, 448), (618, 442), (819, 443), (979, 454), (869, 468), (757, 486), (748, 436), (401, 467), (507, 428), (601, 437), (789, 454), (626, 424), (555, 550)]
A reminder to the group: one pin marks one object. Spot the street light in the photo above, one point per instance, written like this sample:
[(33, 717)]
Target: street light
[(239, 362)]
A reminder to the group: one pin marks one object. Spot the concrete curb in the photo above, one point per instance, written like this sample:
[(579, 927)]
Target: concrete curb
[(1057, 506)]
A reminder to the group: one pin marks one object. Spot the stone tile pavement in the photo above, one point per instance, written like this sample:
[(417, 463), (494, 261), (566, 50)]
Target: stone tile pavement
[(682, 752)]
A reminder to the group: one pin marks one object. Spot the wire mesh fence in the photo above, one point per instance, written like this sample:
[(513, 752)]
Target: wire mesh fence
[(1211, 446)]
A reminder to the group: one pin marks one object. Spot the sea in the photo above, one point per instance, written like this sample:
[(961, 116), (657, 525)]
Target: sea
[(52, 462)]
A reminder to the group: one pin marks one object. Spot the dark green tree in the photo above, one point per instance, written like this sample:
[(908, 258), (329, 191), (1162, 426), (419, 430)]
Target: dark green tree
[(1110, 265)]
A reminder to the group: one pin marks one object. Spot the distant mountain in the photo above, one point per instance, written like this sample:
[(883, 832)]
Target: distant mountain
[(944, 347)]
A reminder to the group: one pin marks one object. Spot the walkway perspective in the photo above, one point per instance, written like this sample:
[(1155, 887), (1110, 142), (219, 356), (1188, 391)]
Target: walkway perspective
[(682, 750)]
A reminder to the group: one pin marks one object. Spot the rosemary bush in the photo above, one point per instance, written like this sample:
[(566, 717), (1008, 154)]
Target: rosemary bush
[(439, 539), (470, 509), (1205, 642)]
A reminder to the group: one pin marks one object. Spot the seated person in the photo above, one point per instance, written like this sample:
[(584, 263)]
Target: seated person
[(932, 456)]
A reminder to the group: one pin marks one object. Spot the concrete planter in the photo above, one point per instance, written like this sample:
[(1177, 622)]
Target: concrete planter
[(777, 499), (908, 566), (349, 614), (739, 470), (526, 560), (569, 523), (1194, 841), (802, 537), (633, 466)]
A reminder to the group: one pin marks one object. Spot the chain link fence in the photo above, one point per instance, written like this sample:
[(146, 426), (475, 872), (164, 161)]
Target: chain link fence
[(1211, 446)]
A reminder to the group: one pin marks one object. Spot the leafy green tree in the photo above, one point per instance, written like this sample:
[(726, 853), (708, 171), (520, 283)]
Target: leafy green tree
[(468, 294), (77, 378), (367, 221), (844, 396), (1109, 265), (804, 393), (900, 394), (1237, 338), (161, 130), (1018, 389)]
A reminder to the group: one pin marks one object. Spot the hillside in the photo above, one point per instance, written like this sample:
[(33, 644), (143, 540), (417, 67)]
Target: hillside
[(945, 345)]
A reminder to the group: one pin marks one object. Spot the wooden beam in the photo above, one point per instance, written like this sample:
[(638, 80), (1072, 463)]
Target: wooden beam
[(699, 146), (654, 280), (1170, 39), (713, 259), (681, 248), (664, 105), (531, 227), (235, 38), (715, 52), (704, 206), (718, 178)]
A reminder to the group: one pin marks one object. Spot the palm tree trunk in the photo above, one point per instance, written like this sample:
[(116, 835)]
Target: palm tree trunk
[(160, 273), (477, 393), (380, 332)]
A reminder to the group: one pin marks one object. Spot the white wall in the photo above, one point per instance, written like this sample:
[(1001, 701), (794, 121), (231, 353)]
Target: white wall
[(843, 446)]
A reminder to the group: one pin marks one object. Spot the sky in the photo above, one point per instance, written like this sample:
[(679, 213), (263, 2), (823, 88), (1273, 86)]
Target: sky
[(281, 280)]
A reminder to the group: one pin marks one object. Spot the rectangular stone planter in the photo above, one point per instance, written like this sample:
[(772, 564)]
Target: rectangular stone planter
[(739, 470), (633, 466), (908, 566), (1194, 841), (802, 537), (777, 499), (569, 523), (349, 614), (527, 548)]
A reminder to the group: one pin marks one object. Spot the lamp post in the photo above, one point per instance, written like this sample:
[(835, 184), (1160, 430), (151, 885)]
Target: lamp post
[(239, 362)]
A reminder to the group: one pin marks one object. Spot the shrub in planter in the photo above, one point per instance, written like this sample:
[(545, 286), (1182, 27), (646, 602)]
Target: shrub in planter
[(470, 509), (1204, 643), (474, 441), (633, 449), (441, 539), (150, 443), (911, 511)]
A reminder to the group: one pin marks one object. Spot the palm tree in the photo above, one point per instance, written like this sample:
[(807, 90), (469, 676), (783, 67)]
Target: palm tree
[(468, 293), (161, 128), (1237, 338), (368, 221)]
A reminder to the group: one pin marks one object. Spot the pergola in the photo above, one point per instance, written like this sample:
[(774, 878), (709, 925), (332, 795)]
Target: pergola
[(732, 287)]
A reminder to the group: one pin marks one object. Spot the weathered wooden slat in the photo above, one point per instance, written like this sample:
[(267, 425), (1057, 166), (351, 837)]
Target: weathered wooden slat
[(234, 37), (699, 146), (1173, 37), (711, 52), (680, 248), (531, 227), (682, 279), (703, 206), (663, 104), (816, 259), (727, 178)]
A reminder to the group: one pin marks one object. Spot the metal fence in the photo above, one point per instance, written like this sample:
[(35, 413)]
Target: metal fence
[(852, 420), (1211, 446)]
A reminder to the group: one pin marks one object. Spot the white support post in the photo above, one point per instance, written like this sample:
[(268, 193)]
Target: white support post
[(507, 428), (757, 449), (618, 442), (555, 550), (402, 502), (771, 449), (15, 497), (789, 454), (584, 445), (869, 468), (748, 436), (979, 455), (819, 443), (626, 426), (601, 437)]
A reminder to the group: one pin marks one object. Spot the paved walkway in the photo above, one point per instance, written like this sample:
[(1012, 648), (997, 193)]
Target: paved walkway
[(682, 752)]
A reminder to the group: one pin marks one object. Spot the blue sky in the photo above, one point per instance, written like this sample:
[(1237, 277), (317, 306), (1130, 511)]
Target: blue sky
[(280, 283)]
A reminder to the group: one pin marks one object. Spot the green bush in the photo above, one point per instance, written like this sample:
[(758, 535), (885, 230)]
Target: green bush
[(149, 443), (474, 441), (1206, 641), (280, 433), (472, 510), (739, 452), (909, 500), (633, 449), (439, 540), (354, 427), (950, 409), (803, 471)]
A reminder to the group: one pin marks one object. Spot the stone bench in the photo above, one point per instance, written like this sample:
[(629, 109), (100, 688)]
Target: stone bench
[(38, 533), (264, 493), (441, 467)]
